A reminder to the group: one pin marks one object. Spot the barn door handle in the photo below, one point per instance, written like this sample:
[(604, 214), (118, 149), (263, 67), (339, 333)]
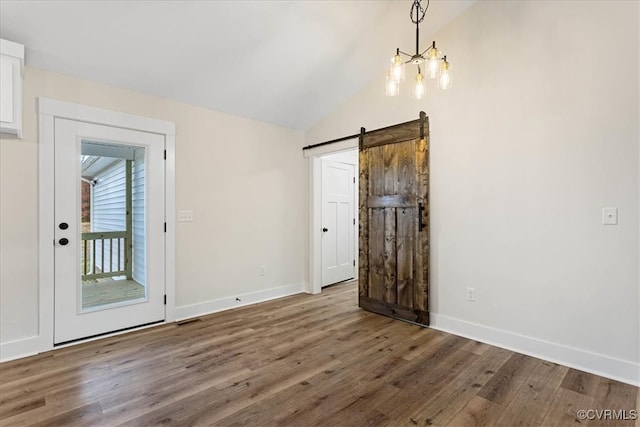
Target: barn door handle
[(420, 211), (325, 229)]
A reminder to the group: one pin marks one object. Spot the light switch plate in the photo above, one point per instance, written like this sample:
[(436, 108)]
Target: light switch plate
[(185, 216), (610, 216)]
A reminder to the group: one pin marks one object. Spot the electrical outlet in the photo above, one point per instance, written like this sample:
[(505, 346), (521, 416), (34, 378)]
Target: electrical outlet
[(471, 294), (262, 270)]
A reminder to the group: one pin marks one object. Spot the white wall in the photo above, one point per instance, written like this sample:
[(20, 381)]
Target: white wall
[(18, 240), (539, 132), (243, 179), (349, 157)]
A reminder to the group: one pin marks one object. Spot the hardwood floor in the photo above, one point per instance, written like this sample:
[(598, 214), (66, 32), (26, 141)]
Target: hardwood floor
[(299, 361)]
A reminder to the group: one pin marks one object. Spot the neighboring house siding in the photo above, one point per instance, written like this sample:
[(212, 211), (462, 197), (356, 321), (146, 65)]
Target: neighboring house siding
[(108, 209), (139, 225)]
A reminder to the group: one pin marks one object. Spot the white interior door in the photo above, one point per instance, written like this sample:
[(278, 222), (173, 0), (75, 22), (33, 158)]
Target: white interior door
[(109, 229), (338, 221)]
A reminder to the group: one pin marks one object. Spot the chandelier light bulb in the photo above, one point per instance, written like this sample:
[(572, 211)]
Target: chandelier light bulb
[(433, 61), (419, 93), (445, 75), (392, 86), (397, 67)]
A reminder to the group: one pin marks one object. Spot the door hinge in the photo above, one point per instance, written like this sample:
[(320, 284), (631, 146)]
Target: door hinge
[(165, 227), (354, 221), (165, 154), (354, 179), (165, 300), (354, 262)]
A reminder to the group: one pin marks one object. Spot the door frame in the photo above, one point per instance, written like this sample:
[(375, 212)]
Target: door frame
[(48, 110), (314, 169)]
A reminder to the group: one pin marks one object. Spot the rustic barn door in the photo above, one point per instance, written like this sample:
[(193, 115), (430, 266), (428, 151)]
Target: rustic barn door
[(394, 221)]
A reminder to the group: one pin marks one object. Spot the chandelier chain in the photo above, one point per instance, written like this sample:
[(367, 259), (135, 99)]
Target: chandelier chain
[(417, 12)]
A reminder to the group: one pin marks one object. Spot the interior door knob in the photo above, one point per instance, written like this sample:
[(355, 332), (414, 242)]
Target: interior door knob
[(64, 241), (325, 229)]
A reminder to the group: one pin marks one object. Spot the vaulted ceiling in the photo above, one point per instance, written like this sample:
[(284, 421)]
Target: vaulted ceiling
[(287, 63)]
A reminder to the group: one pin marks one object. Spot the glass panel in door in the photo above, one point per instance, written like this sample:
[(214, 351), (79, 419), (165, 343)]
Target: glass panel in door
[(112, 251)]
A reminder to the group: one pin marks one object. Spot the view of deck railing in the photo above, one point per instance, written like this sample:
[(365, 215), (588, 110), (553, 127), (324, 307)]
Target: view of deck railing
[(101, 259)]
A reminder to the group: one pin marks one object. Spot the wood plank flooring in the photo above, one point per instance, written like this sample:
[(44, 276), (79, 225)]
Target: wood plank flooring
[(299, 361)]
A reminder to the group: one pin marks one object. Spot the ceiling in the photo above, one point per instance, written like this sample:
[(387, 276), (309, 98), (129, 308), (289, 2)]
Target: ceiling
[(287, 63)]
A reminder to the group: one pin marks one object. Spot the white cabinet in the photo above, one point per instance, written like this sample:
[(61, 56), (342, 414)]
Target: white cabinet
[(11, 68)]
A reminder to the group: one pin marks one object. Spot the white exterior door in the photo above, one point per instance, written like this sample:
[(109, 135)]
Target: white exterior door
[(107, 280), (338, 198)]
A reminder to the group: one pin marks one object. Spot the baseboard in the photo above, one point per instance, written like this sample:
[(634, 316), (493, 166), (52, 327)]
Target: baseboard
[(598, 364), (19, 348), (235, 301)]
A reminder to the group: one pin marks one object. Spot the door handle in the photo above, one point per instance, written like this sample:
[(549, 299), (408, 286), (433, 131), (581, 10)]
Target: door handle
[(420, 211), (64, 241), (325, 229)]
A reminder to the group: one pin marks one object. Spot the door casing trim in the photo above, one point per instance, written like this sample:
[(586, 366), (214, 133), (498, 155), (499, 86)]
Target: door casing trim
[(48, 110), (314, 168)]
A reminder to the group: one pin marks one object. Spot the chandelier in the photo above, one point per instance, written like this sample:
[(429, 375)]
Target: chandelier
[(429, 62)]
